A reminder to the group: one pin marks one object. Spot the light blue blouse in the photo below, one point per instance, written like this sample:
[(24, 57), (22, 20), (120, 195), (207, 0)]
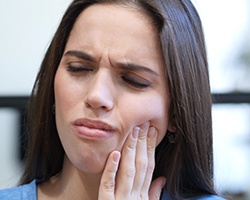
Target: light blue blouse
[(205, 197), (29, 192), (24, 192)]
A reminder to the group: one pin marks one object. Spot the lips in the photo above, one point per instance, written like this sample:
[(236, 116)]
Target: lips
[(93, 129)]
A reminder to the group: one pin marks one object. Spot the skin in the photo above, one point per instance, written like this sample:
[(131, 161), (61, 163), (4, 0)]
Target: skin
[(101, 87)]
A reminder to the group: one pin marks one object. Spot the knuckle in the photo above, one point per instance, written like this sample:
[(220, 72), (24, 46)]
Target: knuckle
[(142, 165), (142, 136), (131, 146), (109, 186), (151, 167), (111, 171), (151, 147), (130, 173)]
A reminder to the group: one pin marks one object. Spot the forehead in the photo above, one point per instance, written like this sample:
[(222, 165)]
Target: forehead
[(116, 16), (115, 20), (116, 30)]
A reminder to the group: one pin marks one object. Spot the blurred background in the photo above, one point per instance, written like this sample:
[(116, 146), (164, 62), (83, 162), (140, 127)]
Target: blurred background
[(27, 28)]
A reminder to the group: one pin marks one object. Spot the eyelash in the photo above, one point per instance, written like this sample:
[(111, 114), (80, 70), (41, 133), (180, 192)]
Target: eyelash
[(128, 80), (134, 83), (80, 69)]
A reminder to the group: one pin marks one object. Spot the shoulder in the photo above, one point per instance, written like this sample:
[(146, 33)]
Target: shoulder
[(209, 197), (165, 196), (24, 192)]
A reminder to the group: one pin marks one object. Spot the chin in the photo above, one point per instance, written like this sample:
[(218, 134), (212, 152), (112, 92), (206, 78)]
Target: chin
[(90, 164), (88, 158)]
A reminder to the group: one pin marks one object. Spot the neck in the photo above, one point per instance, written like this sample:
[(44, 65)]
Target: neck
[(70, 183)]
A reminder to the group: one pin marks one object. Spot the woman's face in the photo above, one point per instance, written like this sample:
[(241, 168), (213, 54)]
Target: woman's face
[(110, 79)]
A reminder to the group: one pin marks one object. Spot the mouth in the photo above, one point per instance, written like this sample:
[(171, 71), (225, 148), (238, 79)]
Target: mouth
[(93, 129)]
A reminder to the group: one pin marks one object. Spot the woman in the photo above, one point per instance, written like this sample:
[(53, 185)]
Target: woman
[(121, 77)]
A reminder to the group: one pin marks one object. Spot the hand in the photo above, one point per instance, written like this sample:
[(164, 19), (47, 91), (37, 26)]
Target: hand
[(128, 175)]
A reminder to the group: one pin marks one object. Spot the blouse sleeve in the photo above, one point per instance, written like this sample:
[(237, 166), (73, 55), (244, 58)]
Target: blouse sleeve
[(24, 192)]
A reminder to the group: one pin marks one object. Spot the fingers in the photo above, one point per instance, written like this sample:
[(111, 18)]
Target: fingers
[(126, 173), (136, 166), (107, 185), (156, 188), (151, 145), (137, 163), (141, 159)]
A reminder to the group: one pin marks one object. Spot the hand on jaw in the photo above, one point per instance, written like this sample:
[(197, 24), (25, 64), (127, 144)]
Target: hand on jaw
[(128, 175)]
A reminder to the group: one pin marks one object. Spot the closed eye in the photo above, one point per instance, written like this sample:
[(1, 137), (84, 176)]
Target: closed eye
[(78, 69), (136, 82)]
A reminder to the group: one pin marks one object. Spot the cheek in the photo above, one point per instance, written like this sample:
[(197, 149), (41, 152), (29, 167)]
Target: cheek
[(66, 99), (62, 92), (157, 113), (153, 108), (67, 93)]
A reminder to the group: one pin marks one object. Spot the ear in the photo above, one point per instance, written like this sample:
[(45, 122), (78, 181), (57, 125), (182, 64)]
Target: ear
[(172, 124), (171, 132), (171, 127)]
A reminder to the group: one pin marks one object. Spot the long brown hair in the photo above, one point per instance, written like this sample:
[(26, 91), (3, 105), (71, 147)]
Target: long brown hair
[(186, 161)]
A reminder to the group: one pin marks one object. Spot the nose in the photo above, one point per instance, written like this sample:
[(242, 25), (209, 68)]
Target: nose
[(99, 95)]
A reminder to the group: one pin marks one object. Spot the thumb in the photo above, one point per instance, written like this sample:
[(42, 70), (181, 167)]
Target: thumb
[(156, 188)]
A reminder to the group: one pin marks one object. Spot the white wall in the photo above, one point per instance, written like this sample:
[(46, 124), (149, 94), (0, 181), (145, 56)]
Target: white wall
[(227, 29), (26, 27)]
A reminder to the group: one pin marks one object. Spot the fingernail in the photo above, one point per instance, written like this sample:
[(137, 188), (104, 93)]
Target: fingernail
[(135, 132), (152, 132), (116, 157), (144, 126)]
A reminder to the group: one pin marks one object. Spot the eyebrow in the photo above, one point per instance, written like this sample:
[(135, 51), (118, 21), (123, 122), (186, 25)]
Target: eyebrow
[(80, 54), (136, 67), (125, 66)]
